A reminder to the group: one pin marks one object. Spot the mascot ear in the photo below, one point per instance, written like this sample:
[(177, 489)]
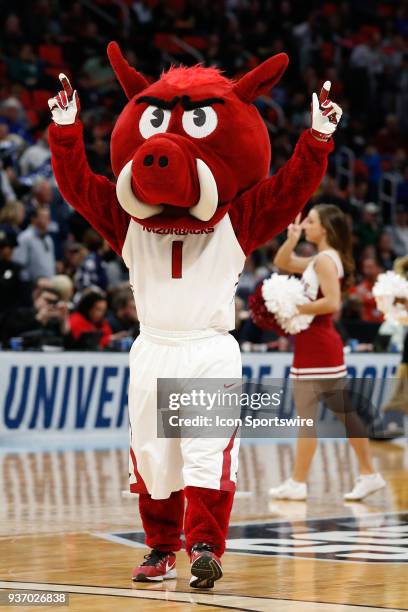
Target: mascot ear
[(132, 82), (262, 78)]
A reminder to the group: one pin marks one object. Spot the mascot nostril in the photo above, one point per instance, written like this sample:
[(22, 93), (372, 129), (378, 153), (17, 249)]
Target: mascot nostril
[(149, 161), (193, 198)]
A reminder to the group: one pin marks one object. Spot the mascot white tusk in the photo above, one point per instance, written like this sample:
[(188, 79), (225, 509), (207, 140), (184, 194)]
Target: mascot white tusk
[(208, 202), (127, 198)]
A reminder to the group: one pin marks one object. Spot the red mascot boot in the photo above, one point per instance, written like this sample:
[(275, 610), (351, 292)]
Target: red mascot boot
[(206, 527), (162, 522)]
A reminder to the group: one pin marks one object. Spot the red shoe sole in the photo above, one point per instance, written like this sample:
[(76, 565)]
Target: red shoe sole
[(205, 571), (171, 575)]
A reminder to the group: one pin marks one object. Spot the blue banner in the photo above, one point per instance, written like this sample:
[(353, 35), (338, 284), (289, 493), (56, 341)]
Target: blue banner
[(87, 392)]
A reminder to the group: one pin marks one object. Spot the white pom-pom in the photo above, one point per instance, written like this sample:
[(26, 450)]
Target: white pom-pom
[(391, 283), (387, 288), (282, 295), (296, 324)]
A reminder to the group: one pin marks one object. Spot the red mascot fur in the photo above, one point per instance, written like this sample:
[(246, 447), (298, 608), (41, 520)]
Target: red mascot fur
[(191, 154)]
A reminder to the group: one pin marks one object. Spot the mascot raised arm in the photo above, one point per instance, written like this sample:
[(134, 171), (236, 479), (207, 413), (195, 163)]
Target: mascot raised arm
[(193, 197)]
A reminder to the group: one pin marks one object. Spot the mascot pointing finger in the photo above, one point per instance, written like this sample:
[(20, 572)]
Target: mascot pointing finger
[(193, 198)]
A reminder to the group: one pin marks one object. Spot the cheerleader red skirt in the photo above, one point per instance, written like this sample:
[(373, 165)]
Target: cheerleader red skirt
[(318, 351)]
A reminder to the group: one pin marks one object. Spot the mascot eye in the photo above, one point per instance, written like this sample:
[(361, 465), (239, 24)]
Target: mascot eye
[(154, 121), (200, 122)]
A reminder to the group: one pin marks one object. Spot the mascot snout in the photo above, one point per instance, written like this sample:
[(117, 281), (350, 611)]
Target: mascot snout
[(165, 174)]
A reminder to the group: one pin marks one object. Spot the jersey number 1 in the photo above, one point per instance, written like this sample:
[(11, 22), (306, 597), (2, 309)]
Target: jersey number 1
[(176, 259)]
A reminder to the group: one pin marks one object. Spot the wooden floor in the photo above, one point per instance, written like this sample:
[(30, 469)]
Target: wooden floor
[(65, 526)]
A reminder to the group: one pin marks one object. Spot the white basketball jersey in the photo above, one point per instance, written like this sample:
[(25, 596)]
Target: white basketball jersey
[(184, 280), (310, 279)]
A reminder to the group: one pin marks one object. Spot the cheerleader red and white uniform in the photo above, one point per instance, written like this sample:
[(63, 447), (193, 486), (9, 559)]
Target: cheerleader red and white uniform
[(319, 348)]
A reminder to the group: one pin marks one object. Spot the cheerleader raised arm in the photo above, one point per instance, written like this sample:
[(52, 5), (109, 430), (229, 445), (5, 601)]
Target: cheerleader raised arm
[(325, 266), (285, 259)]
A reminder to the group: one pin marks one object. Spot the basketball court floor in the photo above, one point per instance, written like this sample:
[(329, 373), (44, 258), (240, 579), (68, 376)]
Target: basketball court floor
[(65, 525)]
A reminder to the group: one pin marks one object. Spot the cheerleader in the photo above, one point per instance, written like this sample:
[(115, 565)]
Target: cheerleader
[(399, 398), (318, 362)]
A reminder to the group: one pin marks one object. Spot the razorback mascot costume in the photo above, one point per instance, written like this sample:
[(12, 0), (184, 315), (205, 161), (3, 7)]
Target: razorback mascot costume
[(193, 198)]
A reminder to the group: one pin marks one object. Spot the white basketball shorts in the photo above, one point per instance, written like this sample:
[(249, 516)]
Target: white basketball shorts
[(160, 466)]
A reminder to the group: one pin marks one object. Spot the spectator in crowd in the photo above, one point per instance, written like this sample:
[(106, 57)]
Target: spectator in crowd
[(46, 322), (402, 193), (123, 316), (90, 328), (368, 229), (264, 259), (73, 257), (25, 68), (248, 279), (366, 62), (385, 251), (35, 250), (63, 285), (340, 324), (330, 191), (368, 252), (7, 193), (358, 197), (35, 156), (370, 269), (41, 193), (13, 115), (12, 33), (12, 216), (399, 231), (389, 138), (10, 144), (253, 339), (116, 270), (14, 289), (92, 271), (352, 309), (241, 315), (7, 153)]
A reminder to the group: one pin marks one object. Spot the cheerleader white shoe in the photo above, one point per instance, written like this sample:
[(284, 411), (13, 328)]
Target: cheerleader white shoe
[(290, 489), (365, 485)]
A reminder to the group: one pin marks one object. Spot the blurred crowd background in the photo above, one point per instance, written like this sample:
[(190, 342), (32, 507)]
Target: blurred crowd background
[(60, 284)]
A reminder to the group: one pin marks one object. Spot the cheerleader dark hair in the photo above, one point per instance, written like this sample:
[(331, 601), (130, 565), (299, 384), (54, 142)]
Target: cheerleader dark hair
[(338, 236)]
